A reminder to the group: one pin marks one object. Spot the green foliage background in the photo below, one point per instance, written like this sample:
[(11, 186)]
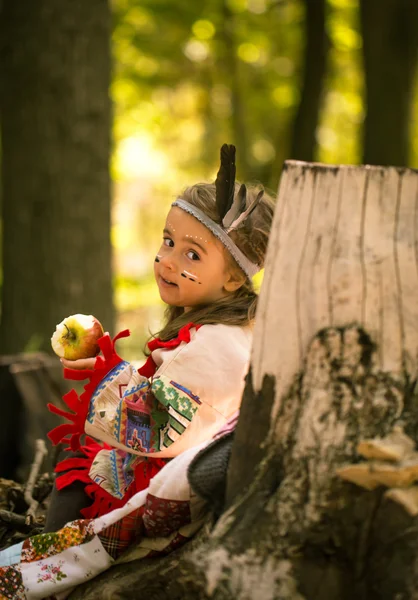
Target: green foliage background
[(189, 76)]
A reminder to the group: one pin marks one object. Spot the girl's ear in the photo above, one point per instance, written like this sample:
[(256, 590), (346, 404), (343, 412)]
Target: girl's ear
[(235, 280)]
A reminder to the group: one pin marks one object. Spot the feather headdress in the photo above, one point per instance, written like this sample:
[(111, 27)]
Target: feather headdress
[(231, 208)]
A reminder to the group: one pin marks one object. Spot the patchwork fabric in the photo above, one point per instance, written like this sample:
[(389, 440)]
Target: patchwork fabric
[(108, 472), (147, 419), (180, 403), (143, 418), (51, 563), (193, 388), (151, 418), (106, 396), (60, 572), (163, 516), (11, 556), (129, 464), (11, 584), (140, 421), (43, 545), (151, 523), (118, 537)]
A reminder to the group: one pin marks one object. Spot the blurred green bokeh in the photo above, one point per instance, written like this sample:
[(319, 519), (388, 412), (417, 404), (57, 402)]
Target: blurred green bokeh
[(188, 77)]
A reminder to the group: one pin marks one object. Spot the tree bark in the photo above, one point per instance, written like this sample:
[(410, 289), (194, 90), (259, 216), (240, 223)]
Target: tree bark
[(334, 363), (55, 123), (304, 143), (390, 52)]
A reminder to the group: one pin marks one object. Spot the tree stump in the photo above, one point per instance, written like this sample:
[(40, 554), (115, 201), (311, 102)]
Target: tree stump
[(334, 363)]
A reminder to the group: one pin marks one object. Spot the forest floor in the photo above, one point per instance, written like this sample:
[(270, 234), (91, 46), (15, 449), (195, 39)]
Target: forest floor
[(23, 515)]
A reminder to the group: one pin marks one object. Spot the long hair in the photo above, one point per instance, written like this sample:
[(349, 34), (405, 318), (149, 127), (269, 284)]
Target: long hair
[(239, 308)]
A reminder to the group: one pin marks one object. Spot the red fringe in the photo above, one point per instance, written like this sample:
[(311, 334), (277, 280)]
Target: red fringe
[(79, 405), (77, 469), (103, 502)]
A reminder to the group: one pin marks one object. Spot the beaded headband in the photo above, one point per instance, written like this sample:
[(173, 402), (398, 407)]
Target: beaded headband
[(231, 209), (249, 268)]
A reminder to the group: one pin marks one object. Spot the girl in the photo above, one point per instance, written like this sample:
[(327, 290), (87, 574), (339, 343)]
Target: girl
[(214, 241)]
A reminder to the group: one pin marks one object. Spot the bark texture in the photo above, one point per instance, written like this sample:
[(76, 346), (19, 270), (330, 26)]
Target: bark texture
[(55, 123), (390, 53), (334, 363)]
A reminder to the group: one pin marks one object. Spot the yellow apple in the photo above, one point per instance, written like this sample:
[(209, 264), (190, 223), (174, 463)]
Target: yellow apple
[(76, 337)]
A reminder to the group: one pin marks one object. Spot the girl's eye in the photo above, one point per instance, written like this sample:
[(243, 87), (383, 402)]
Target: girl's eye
[(168, 242), (193, 255)]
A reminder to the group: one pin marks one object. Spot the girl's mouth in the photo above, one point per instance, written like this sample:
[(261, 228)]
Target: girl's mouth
[(167, 283)]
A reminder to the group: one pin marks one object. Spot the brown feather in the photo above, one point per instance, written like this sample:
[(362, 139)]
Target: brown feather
[(225, 180), (238, 206), (235, 224)]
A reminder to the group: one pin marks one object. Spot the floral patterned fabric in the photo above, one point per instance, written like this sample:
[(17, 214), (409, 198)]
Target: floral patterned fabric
[(11, 583), (46, 544)]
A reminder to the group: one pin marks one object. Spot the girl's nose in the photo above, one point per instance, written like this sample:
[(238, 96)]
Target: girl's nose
[(168, 261)]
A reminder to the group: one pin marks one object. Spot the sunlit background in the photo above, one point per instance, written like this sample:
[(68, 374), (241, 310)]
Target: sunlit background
[(189, 76)]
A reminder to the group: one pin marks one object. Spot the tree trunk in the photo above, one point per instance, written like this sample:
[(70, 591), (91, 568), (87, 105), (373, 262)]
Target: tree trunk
[(55, 122), (304, 142), (390, 52), (334, 363)]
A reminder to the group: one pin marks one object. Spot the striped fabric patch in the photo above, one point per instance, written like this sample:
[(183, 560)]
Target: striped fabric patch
[(181, 405)]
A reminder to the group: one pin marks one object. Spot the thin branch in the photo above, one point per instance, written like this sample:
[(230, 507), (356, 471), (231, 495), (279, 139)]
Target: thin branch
[(13, 519), (40, 452)]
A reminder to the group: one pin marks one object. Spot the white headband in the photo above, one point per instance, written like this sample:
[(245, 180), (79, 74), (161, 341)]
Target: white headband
[(249, 268)]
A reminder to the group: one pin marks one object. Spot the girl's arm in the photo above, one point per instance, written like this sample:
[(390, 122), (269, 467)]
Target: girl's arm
[(197, 386)]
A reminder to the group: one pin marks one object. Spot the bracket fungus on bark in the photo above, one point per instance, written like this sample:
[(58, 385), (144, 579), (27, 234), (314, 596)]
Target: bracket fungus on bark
[(391, 462), (394, 447)]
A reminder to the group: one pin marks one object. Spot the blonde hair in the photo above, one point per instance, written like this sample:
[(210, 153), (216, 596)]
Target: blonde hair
[(251, 238)]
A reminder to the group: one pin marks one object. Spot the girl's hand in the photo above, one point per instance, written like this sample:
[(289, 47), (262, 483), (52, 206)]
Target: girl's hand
[(81, 363)]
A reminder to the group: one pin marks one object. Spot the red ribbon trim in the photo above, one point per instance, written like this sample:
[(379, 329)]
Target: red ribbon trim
[(78, 469), (148, 369)]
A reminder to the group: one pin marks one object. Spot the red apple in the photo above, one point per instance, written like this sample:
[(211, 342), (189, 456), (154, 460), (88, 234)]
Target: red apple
[(76, 337)]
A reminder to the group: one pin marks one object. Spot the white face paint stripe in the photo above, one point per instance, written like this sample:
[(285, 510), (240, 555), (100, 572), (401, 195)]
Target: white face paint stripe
[(190, 274)]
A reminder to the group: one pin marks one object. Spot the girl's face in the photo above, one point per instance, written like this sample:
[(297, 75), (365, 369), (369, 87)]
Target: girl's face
[(190, 267)]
